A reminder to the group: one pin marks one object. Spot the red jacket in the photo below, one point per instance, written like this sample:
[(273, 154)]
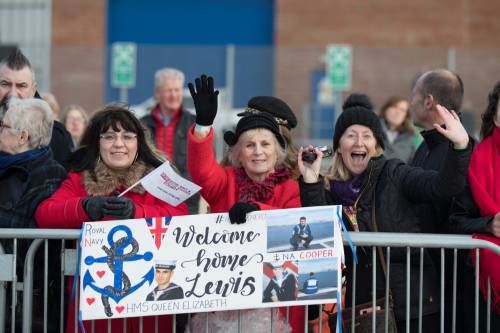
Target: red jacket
[(219, 187), (220, 190), (64, 210)]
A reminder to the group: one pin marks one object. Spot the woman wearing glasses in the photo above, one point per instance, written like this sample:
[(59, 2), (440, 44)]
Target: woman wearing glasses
[(113, 155)]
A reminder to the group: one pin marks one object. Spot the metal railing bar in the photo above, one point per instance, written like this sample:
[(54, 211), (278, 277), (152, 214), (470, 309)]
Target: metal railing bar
[(306, 316), (407, 306), (454, 308), (394, 239), (387, 287), (28, 285), (14, 287), (353, 306), (320, 328), (420, 290), (374, 288), (488, 308), (45, 283), (3, 296), (441, 317), (239, 321), (476, 310), (61, 289), (272, 320)]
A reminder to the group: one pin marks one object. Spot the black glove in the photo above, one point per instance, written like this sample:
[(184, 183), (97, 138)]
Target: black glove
[(238, 213), (99, 207), (205, 100)]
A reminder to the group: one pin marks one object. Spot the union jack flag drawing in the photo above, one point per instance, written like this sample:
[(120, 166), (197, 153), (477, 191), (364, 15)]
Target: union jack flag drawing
[(158, 227), (288, 267)]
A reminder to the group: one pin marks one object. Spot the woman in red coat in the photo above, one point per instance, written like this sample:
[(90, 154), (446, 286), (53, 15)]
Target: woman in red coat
[(256, 180), (114, 154)]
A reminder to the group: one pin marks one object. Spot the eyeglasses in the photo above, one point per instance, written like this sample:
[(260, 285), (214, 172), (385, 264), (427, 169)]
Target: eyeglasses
[(126, 138), (3, 125)]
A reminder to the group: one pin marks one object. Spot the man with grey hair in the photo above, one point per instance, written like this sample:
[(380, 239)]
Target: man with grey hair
[(168, 122), (28, 175), (17, 79)]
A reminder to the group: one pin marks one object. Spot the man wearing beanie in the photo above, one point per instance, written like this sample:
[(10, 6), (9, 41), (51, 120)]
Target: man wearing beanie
[(377, 194)]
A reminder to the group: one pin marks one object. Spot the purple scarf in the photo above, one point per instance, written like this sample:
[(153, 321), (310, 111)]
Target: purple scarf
[(348, 191)]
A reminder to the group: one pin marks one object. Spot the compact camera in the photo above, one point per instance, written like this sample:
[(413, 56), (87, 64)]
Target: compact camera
[(310, 156)]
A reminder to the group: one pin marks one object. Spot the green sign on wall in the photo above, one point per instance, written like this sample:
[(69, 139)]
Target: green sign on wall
[(339, 66), (123, 63)]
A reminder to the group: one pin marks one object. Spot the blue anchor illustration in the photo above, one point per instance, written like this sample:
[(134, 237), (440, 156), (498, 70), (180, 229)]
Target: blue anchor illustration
[(114, 259)]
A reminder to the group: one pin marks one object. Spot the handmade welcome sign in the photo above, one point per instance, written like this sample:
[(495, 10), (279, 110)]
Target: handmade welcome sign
[(201, 263)]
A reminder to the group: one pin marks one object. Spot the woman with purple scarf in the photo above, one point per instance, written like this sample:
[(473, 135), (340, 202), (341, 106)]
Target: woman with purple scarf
[(379, 194)]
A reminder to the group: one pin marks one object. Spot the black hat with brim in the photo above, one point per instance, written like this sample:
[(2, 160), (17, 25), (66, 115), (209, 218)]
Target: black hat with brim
[(275, 107), (254, 121)]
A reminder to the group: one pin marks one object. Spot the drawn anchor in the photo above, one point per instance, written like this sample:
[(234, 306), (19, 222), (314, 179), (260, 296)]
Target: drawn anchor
[(114, 259)]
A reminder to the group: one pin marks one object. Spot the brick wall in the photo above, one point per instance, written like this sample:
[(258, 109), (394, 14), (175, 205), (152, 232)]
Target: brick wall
[(392, 42), (78, 40)]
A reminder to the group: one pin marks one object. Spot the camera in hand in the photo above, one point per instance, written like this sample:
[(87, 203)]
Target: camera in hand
[(310, 156)]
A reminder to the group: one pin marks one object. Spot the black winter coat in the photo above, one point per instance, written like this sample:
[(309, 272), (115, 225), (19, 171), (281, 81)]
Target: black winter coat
[(61, 143), (24, 186), (395, 188), (465, 217)]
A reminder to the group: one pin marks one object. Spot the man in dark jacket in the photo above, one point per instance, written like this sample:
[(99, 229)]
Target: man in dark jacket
[(435, 87), (169, 122), (17, 79)]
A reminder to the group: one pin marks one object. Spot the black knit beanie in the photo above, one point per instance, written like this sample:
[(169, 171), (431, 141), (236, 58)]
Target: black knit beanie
[(358, 110), (253, 121)]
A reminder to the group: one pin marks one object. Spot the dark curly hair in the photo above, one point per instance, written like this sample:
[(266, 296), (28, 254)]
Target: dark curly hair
[(111, 115), (491, 110)]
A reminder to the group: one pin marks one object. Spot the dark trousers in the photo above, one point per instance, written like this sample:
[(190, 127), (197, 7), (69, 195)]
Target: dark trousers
[(296, 239), (430, 324)]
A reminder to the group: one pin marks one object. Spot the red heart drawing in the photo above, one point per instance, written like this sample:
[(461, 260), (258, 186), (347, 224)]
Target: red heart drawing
[(120, 308), (100, 273), (90, 300)]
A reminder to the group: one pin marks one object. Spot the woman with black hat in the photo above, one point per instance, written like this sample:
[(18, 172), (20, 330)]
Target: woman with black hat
[(286, 120), (256, 180), (380, 195)]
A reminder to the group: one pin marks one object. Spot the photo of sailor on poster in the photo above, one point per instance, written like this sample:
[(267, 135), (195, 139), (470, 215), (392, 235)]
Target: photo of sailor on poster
[(183, 264)]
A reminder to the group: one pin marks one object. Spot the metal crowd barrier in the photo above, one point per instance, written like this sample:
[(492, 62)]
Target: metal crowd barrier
[(9, 278)]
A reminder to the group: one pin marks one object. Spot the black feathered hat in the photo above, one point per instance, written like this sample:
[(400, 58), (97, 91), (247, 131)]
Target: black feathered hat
[(358, 110), (253, 121), (275, 107)]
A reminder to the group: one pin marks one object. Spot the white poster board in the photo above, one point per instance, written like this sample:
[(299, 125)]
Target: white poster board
[(127, 267)]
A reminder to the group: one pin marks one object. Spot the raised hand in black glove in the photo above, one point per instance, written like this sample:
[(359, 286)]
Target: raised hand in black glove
[(205, 100), (100, 206), (238, 213)]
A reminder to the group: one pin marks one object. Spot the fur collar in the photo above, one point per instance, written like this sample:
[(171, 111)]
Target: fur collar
[(104, 181)]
